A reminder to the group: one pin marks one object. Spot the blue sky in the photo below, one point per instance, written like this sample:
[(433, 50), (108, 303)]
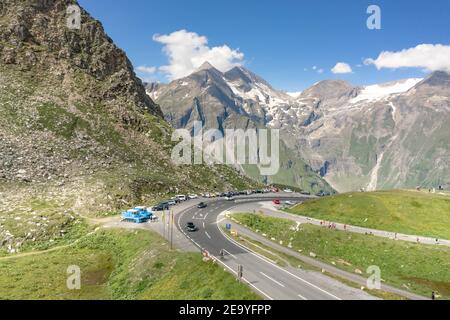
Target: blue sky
[(282, 40)]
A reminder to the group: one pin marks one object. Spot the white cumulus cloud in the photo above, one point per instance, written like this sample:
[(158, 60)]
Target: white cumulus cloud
[(187, 51), (432, 57), (341, 68), (145, 69)]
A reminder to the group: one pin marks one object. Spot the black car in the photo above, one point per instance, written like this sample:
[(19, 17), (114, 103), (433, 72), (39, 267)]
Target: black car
[(202, 205), (190, 227), (162, 206)]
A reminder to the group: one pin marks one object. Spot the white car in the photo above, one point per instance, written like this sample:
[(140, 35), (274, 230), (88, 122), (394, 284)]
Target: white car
[(193, 196), (181, 197), (288, 190), (229, 198), (289, 203), (172, 202)]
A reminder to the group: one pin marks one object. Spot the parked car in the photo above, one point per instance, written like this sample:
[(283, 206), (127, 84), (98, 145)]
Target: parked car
[(276, 202), (162, 206), (175, 199), (181, 197), (193, 196), (305, 193), (191, 227), (287, 190), (289, 203), (172, 203), (229, 198), (202, 205)]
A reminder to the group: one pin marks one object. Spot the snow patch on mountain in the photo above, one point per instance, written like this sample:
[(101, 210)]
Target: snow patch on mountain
[(382, 91), (294, 94), (277, 105)]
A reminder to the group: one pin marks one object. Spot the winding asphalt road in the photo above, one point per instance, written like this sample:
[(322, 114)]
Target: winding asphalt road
[(270, 280)]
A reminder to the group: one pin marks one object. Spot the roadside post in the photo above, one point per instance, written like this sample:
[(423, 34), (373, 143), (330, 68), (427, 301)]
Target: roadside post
[(172, 220), (164, 223), (240, 272)]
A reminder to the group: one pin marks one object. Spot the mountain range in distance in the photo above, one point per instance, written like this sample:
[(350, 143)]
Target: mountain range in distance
[(334, 135)]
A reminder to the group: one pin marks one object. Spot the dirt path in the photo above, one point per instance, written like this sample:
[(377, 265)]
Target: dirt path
[(34, 253)]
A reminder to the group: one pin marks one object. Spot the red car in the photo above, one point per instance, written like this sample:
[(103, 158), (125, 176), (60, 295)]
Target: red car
[(277, 201)]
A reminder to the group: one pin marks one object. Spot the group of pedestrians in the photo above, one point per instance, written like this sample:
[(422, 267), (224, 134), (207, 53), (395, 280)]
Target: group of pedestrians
[(329, 225)]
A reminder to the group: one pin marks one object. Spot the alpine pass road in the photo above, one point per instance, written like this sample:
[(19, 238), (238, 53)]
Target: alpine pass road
[(270, 280)]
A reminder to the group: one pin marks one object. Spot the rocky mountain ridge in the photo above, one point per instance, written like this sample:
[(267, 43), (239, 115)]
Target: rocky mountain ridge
[(236, 99), (354, 137)]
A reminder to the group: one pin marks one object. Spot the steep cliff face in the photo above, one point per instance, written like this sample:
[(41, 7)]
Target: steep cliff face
[(35, 34), (70, 100)]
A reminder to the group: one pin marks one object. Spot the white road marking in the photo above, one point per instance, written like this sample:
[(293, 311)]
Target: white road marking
[(245, 280), (203, 224), (246, 249), (219, 221), (273, 264), (272, 279), (207, 234), (302, 297), (230, 254)]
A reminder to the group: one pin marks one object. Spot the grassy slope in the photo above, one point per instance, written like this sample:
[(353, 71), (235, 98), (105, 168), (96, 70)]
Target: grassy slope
[(118, 264), (416, 213), (418, 267)]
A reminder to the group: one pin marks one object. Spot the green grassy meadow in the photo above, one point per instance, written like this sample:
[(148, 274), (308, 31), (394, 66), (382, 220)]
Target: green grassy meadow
[(409, 266), (119, 264), (409, 212)]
